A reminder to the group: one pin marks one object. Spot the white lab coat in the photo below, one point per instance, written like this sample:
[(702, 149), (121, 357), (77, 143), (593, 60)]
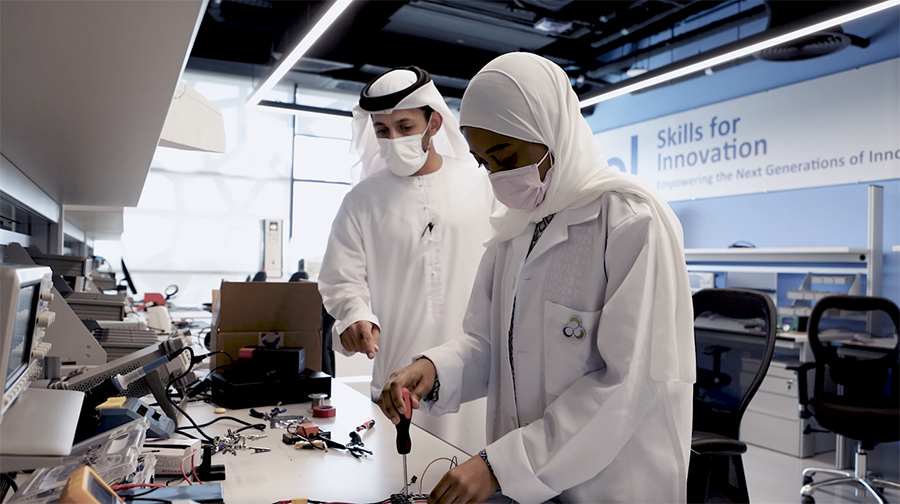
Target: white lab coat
[(385, 264), (587, 422)]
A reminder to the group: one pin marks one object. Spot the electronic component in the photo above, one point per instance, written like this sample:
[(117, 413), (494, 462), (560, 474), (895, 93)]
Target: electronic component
[(701, 280), (308, 429), (238, 390), (85, 487), (120, 410), (285, 362), (206, 470), (142, 372), (25, 295), (207, 493), (171, 454), (113, 455), (792, 323)]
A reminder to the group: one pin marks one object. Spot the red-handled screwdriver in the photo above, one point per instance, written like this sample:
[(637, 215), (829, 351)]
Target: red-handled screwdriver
[(367, 425), (403, 442), (355, 438)]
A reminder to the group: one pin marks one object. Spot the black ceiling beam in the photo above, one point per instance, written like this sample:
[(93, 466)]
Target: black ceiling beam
[(583, 51), (621, 64), (651, 27), (831, 12)]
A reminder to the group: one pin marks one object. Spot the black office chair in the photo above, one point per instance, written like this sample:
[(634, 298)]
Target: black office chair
[(734, 331), (327, 324), (852, 396), (299, 275)]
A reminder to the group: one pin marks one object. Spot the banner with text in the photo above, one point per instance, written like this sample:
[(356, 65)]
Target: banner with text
[(838, 129)]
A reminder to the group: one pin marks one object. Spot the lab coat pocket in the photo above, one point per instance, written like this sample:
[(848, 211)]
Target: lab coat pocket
[(570, 346)]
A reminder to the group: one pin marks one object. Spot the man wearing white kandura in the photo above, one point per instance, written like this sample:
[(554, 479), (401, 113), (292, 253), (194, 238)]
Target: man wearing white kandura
[(407, 240), (580, 327)]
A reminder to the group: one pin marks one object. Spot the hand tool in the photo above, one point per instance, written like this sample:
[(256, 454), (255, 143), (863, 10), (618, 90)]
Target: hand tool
[(403, 442)]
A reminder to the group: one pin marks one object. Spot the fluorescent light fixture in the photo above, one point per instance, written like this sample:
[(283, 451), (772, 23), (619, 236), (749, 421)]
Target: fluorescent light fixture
[(731, 52), (291, 59), (636, 71), (552, 26)]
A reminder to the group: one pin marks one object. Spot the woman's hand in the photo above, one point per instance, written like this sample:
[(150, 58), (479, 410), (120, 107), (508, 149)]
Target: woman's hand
[(418, 377), (470, 482)]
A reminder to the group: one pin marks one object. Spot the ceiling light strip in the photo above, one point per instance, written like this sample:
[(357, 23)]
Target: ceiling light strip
[(651, 80), (288, 62)]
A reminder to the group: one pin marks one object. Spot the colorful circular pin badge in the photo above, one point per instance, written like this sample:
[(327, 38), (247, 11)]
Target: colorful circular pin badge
[(573, 329)]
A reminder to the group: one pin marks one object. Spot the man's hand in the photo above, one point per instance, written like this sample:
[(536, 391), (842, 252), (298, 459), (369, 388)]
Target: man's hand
[(418, 377), (471, 481), (362, 337)]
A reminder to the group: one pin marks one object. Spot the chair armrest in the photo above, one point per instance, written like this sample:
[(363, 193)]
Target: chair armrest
[(707, 443), (802, 369)]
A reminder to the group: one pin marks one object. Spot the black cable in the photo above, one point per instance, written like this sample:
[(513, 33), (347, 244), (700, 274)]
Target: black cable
[(258, 426), (238, 420), (190, 367), (230, 358), (206, 436), (223, 366), (185, 434), (8, 482), (142, 494), (208, 439)]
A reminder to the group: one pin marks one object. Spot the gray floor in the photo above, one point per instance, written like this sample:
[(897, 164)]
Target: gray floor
[(775, 478), (772, 477)]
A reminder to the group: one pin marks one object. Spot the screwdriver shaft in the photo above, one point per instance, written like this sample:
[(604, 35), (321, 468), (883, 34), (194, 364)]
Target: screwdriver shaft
[(405, 480)]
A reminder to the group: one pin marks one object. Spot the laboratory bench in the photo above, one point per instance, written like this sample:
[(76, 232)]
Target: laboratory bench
[(334, 475), (282, 472)]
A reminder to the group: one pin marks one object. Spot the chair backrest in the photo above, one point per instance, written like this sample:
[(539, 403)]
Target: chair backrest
[(734, 331), (299, 275), (863, 376)]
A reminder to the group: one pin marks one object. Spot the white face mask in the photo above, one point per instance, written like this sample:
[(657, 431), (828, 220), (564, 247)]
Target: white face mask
[(404, 155), (522, 188)]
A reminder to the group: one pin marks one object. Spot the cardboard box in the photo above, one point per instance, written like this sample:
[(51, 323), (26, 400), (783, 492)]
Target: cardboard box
[(244, 310)]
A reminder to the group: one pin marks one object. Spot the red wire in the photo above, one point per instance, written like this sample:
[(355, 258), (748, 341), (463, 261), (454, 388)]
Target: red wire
[(453, 463), (181, 466), (194, 471)]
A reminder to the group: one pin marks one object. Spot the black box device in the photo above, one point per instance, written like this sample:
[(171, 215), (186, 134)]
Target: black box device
[(238, 390)]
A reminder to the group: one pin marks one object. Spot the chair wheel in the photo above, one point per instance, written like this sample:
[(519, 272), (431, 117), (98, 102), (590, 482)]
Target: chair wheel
[(807, 480), (807, 499)]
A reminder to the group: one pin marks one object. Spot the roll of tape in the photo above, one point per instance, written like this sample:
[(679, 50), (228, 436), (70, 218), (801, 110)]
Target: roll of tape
[(324, 411)]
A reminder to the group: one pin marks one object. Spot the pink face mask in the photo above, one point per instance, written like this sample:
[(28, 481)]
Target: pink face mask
[(522, 188)]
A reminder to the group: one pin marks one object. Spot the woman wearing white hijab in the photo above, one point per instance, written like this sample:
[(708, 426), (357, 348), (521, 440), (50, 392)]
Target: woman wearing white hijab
[(580, 327), (406, 242)]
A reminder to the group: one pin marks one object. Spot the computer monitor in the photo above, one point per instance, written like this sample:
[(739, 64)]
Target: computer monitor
[(25, 295), (128, 278)]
